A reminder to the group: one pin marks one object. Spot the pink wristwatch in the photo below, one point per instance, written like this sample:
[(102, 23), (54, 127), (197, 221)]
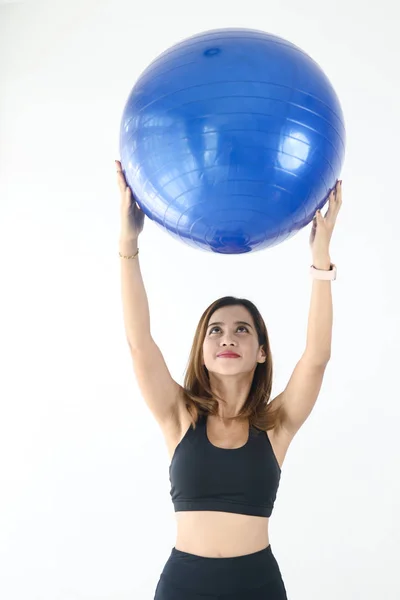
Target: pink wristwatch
[(322, 274)]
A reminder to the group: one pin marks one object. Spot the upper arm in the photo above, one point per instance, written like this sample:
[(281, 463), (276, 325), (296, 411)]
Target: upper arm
[(161, 393), (300, 395)]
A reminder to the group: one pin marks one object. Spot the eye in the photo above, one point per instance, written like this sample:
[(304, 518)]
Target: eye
[(239, 327)]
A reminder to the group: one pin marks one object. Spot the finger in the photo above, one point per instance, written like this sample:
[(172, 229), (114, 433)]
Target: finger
[(339, 191), (332, 199), (121, 181), (118, 168), (122, 185), (337, 199)]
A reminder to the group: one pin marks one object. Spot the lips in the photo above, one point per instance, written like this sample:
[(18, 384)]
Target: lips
[(229, 354)]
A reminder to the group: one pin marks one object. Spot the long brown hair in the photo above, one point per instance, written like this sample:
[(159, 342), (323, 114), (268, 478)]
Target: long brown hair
[(197, 392)]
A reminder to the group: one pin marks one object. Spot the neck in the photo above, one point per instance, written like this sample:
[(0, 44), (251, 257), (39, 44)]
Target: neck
[(226, 419)]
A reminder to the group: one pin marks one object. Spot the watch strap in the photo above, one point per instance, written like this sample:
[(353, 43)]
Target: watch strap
[(323, 274)]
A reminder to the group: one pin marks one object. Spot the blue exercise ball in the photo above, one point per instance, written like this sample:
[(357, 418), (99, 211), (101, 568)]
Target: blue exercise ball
[(232, 139)]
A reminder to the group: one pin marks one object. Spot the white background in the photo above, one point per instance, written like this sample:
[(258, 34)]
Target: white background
[(85, 511)]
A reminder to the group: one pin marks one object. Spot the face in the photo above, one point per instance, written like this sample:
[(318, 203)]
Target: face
[(235, 331)]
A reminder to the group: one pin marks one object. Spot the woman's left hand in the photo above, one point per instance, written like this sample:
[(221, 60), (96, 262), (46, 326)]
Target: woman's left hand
[(322, 228)]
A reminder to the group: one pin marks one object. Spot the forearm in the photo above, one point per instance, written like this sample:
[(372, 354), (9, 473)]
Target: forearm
[(320, 319), (134, 298)]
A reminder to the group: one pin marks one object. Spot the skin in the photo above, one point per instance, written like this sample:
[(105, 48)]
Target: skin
[(231, 378)]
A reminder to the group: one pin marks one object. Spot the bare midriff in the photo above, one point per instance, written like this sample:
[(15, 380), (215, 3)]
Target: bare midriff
[(219, 534)]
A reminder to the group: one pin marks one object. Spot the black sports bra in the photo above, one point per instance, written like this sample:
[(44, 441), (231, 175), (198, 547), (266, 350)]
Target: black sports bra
[(240, 480)]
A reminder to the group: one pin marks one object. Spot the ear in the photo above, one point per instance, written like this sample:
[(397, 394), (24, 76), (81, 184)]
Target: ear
[(262, 357)]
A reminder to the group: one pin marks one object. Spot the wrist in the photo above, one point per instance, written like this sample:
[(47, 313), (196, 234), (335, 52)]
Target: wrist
[(127, 245), (322, 263)]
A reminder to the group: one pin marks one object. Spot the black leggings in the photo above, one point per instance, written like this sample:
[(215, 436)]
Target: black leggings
[(250, 577)]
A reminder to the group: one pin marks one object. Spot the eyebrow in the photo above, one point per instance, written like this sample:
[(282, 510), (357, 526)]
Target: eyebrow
[(236, 323)]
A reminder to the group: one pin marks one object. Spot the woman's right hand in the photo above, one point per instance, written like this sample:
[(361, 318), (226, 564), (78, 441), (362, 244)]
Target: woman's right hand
[(132, 216)]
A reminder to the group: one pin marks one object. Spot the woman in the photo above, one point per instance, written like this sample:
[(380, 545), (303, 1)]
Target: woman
[(226, 441)]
